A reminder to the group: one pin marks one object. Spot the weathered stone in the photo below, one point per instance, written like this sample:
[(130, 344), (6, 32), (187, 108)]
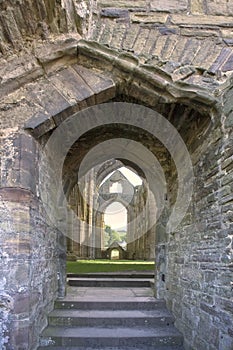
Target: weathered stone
[(228, 66), (225, 342), (224, 55), (189, 20), (226, 304), (141, 41), (107, 33), (197, 7), (220, 7), (17, 72), (201, 33), (104, 89), (130, 37), (182, 73), (229, 120), (54, 51), (130, 4), (169, 5), (181, 65), (160, 18), (114, 12)]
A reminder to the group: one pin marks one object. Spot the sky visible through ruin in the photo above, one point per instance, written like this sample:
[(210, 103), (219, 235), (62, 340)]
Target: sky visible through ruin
[(116, 214)]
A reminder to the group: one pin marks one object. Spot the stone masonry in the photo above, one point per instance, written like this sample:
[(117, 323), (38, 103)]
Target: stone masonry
[(90, 207), (61, 57)]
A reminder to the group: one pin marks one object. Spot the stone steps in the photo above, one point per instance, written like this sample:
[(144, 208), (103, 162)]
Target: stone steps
[(111, 325), (107, 337), (110, 282), (151, 304), (128, 275), (110, 319)]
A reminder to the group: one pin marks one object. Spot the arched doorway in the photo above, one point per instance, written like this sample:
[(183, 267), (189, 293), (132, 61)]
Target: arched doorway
[(115, 222), (165, 243)]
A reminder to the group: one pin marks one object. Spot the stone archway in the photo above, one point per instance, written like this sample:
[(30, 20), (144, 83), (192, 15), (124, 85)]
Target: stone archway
[(184, 259)]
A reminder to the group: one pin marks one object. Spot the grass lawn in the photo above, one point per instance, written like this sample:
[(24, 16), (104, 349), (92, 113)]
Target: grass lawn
[(87, 266)]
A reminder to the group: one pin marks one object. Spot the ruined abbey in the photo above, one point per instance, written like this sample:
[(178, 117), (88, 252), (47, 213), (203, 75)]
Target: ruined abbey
[(89, 86)]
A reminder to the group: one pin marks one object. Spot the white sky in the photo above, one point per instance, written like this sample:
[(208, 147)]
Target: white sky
[(133, 178), (116, 216)]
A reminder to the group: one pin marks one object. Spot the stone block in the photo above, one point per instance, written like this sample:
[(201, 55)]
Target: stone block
[(22, 304), (18, 71), (15, 195), (118, 36), (40, 124), (228, 65), (21, 274), (229, 120), (130, 4), (19, 335), (225, 342), (189, 20), (141, 41), (197, 6), (211, 310), (200, 344), (199, 33), (208, 331), (130, 37), (189, 317), (220, 7), (45, 94), (64, 49), (141, 17), (225, 304), (72, 86), (114, 12), (169, 5)]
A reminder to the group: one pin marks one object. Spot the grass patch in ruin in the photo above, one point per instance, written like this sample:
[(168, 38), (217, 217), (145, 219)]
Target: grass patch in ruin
[(90, 266)]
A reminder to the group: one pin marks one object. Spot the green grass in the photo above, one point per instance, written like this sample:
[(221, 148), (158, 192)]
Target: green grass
[(89, 266)]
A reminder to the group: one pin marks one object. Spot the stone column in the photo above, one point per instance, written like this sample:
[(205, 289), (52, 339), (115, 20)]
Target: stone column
[(33, 252)]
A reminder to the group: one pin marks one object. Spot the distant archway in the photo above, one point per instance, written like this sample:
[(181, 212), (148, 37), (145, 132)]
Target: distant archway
[(115, 254)]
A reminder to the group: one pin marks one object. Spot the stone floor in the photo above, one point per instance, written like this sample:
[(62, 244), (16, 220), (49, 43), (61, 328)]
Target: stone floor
[(109, 294)]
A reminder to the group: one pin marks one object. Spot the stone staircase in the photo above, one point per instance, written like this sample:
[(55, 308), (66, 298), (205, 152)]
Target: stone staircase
[(112, 280), (110, 318)]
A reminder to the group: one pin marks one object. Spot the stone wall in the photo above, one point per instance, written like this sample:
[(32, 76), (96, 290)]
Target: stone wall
[(29, 259), (199, 253)]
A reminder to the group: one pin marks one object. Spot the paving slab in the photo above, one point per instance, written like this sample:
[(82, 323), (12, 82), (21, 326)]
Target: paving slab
[(108, 294)]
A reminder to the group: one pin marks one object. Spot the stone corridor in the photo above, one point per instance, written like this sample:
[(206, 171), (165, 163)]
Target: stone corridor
[(145, 83)]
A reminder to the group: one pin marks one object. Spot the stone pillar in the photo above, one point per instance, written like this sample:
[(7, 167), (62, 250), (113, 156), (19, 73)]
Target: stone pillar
[(33, 252)]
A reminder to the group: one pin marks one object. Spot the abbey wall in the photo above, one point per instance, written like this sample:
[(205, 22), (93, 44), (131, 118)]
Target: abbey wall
[(174, 58)]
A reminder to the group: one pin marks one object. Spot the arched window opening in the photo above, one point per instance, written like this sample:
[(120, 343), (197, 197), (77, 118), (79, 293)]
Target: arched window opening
[(115, 221), (115, 254), (116, 187)]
